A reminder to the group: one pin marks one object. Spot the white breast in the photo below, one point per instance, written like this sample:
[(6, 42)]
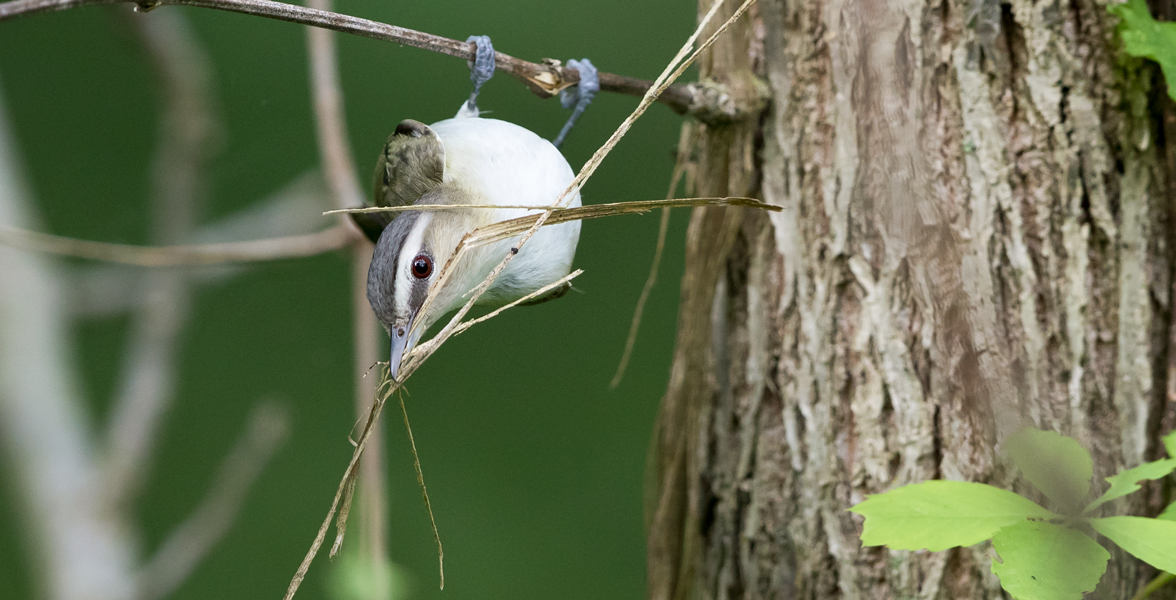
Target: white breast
[(502, 163)]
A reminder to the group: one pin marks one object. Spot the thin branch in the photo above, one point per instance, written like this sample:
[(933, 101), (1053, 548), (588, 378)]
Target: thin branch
[(416, 463), (592, 211), (330, 123), (387, 388), (279, 248), (338, 166), (685, 145), (147, 385), (103, 290), (431, 207), (189, 543), (505, 229), (542, 79), (563, 215)]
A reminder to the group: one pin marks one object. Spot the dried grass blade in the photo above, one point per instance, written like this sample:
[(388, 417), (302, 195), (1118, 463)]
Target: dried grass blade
[(430, 207), (344, 512), (416, 463), (505, 229), (352, 467), (685, 148)]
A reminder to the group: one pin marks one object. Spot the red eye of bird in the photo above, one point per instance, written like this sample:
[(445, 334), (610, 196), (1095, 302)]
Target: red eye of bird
[(422, 266)]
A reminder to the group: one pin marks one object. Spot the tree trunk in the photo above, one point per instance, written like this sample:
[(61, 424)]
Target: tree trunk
[(976, 235)]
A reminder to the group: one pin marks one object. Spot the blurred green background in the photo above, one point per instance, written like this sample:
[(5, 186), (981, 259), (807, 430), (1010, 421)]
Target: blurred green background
[(534, 466)]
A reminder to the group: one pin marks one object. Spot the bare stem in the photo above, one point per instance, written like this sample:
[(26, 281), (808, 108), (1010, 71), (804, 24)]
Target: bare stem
[(183, 550), (416, 463), (544, 80), (338, 167), (147, 387), (685, 145), (280, 248)]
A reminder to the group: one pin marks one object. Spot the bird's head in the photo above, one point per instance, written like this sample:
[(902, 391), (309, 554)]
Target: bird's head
[(406, 262)]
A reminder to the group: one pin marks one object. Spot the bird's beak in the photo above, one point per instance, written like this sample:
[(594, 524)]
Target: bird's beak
[(400, 347)]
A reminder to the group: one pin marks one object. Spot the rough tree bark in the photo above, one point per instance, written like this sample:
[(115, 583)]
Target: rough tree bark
[(977, 235)]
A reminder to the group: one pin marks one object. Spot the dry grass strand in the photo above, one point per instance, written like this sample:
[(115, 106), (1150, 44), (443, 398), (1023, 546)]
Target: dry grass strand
[(685, 148), (416, 463)]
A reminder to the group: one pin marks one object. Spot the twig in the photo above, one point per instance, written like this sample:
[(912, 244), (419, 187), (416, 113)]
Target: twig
[(430, 207), (543, 80), (339, 168), (388, 387), (373, 499), (505, 229), (416, 463), (98, 291), (147, 386), (685, 145), (189, 543), (330, 123), (189, 255), (563, 215)]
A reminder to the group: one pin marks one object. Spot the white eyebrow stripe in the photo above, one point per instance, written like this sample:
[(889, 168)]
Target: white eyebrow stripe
[(408, 252)]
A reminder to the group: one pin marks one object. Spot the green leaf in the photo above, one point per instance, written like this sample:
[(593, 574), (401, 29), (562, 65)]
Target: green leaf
[(1054, 464), (1169, 513), (1128, 481), (1151, 540), (1043, 561), (1145, 37), (938, 515), (1170, 443)]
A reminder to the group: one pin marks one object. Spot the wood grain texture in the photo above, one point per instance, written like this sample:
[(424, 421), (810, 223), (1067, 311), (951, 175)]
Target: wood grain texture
[(976, 235)]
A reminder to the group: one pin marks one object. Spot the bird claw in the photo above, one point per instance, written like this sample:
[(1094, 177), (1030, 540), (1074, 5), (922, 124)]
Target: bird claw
[(481, 70), (579, 96)]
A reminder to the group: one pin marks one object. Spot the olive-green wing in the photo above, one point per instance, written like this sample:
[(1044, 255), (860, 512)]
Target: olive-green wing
[(411, 165)]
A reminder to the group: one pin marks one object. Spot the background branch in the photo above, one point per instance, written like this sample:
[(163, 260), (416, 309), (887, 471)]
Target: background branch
[(148, 383), (294, 246), (81, 548), (105, 290), (708, 102), (339, 170), (189, 543), (77, 504)]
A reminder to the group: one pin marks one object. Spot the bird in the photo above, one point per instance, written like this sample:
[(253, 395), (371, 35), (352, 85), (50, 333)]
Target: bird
[(467, 159), (462, 160)]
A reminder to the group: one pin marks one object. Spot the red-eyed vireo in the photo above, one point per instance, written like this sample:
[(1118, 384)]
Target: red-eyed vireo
[(467, 160), (463, 161)]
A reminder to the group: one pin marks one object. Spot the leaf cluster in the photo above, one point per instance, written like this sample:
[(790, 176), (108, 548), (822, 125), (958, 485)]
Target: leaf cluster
[(1045, 553), (1145, 37)]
